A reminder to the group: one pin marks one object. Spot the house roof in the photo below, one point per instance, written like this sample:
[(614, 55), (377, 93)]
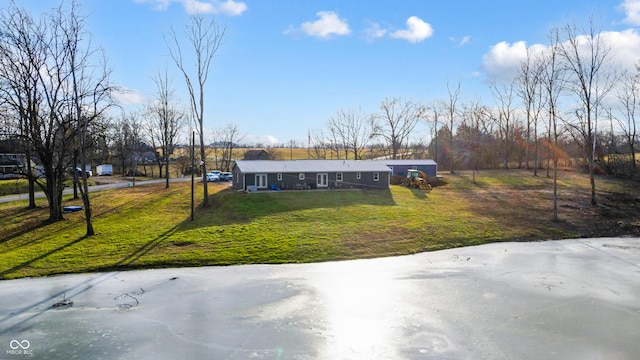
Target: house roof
[(408, 162), (298, 166)]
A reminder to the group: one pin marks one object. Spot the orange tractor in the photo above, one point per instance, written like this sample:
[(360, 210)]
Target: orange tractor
[(416, 179)]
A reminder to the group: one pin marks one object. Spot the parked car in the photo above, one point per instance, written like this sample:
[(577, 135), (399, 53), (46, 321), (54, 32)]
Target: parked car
[(79, 171), (213, 177), (226, 176)]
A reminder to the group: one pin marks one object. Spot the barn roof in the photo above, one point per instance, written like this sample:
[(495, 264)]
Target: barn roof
[(298, 166), (255, 152)]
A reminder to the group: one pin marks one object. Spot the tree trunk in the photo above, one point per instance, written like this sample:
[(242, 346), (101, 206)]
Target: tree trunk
[(87, 205), (54, 195), (30, 180), (592, 180), (166, 174), (203, 158), (555, 188)]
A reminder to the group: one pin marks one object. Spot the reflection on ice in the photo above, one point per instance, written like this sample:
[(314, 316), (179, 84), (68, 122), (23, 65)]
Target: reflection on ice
[(359, 305)]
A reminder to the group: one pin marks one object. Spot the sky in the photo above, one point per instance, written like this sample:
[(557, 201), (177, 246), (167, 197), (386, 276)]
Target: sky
[(285, 67)]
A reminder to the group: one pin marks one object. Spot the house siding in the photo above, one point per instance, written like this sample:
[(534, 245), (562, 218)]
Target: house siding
[(400, 168), (290, 181)]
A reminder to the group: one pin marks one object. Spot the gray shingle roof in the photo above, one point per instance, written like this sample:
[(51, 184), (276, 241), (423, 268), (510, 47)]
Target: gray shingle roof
[(298, 166)]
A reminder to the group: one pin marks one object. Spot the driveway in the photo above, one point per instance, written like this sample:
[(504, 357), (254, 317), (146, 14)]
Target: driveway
[(111, 183), (570, 299)]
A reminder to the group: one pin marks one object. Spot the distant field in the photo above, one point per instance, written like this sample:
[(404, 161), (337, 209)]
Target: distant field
[(282, 153), (150, 227)]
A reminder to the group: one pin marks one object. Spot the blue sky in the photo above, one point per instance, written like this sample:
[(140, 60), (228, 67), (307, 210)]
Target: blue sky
[(287, 66)]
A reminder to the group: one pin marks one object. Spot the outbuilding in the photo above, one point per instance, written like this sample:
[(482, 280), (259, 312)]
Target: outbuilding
[(400, 167), (256, 155), (310, 174)]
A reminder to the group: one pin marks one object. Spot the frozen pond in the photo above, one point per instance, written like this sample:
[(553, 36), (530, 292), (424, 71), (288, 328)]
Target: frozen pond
[(570, 299)]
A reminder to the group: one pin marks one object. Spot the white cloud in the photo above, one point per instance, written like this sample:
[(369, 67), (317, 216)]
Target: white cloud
[(194, 7), (417, 30), (632, 10), (625, 47), (328, 24), (503, 59), (126, 96), (374, 31), (462, 42), (265, 140)]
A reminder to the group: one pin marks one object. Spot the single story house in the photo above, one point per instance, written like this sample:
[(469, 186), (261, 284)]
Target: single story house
[(310, 174), (400, 167)]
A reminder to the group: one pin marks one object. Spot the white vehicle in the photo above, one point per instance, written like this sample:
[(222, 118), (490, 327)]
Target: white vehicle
[(104, 170), (87, 170)]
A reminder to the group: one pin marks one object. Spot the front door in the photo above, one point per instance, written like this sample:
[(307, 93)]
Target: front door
[(323, 180), (261, 181)]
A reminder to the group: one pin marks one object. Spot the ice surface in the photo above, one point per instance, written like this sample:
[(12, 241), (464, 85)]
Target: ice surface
[(577, 299)]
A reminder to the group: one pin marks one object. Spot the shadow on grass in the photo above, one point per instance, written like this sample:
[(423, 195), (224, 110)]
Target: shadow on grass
[(420, 194), (26, 228), (126, 262), (24, 264), (229, 207), (32, 227)]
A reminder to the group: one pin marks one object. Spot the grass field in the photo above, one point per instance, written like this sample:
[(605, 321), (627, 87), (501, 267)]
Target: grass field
[(150, 226)]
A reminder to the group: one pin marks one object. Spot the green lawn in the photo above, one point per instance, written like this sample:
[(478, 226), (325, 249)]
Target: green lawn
[(149, 226)]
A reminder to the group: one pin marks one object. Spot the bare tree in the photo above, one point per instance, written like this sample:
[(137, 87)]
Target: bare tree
[(395, 123), (585, 53), (628, 96), (351, 129), (470, 133), (528, 81), (552, 80), (58, 88), (166, 119), (226, 138), (318, 144), (451, 107), (128, 145), (91, 93), (21, 55), (205, 38), (503, 95), (433, 116)]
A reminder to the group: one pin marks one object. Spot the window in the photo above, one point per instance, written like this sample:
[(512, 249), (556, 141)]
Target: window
[(376, 176), (338, 176), (279, 176), (358, 176), (301, 176)]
